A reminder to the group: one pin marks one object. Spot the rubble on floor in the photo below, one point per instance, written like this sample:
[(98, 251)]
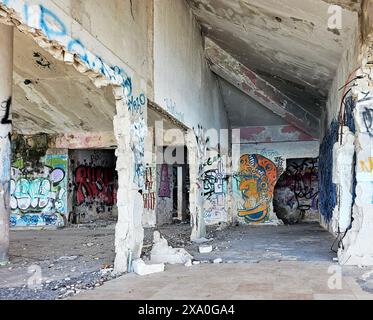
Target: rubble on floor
[(163, 253), (143, 269)]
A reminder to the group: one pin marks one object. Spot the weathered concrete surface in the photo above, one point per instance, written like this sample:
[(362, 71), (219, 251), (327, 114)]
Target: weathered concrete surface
[(6, 73), (230, 69), (71, 253), (52, 97), (269, 134), (367, 20), (262, 281), (287, 42), (183, 82)]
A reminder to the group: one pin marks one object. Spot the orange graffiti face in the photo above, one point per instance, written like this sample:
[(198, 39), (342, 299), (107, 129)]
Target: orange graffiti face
[(258, 176)]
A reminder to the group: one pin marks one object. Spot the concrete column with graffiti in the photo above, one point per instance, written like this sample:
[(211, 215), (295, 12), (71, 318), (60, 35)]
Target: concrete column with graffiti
[(130, 131), (357, 246), (197, 148), (6, 81)]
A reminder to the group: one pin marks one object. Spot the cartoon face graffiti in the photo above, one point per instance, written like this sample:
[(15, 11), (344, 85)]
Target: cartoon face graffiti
[(256, 182)]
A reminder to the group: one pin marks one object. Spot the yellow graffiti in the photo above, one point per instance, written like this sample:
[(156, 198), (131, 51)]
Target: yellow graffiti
[(367, 166)]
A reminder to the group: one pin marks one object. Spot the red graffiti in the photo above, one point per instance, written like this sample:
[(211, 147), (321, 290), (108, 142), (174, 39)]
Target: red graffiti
[(149, 194), (95, 184)]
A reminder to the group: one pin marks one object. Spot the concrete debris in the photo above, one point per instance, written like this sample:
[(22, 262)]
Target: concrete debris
[(143, 269), (66, 258), (205, 249), (218, 261), (163, 253), (203, 240)]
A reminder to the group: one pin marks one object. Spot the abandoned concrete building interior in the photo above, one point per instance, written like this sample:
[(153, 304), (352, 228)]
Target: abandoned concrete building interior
[(194, 135)]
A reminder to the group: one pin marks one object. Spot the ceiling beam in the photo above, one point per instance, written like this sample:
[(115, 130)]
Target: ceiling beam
[(227, 67)]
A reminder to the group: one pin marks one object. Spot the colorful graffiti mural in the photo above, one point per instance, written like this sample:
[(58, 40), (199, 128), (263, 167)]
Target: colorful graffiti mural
[(39, 199), (255, 182)]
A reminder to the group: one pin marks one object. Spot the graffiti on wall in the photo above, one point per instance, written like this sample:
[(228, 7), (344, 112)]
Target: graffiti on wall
[(298, 187), (95, 185), (138, 133), (327, 189), (215, 191), (39, 199), (368, 120), (40, 17), (255, 182), (164, 187), (149, 188), (366, 165)]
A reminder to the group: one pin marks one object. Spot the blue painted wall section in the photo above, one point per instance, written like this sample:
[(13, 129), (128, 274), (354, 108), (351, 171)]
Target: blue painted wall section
[(328, 190)]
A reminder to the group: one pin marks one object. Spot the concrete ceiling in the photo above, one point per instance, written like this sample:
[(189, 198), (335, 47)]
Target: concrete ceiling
[(243, 111), (51, 97), (287, 42)]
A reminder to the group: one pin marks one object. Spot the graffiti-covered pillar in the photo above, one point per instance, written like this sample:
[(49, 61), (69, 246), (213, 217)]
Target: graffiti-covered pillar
[(196, 154), (357, 246), (6, 81), (130, 131)]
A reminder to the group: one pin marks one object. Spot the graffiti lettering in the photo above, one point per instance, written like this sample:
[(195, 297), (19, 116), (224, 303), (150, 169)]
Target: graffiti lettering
[(367, 166), (5, 109), (95, 184), (368, 120), (301, 179)]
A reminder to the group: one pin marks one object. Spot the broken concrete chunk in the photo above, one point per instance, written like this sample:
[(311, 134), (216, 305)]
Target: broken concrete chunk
[(205, 249), (143, 269), (218, 260), (163, 253)]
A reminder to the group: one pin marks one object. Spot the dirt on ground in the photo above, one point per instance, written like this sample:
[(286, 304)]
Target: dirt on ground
[(57, 264)]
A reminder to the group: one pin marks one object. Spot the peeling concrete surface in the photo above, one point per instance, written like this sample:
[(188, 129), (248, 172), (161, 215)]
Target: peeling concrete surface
[(287, 42)]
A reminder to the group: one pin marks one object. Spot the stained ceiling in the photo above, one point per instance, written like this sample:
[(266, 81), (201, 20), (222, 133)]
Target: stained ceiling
[(52, 97), (287, 42)]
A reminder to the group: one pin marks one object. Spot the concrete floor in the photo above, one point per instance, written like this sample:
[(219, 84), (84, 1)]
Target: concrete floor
[(259, 262), (242, 281)]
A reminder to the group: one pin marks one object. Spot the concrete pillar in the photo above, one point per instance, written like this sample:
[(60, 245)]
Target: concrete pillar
[(6, 82), (130, 131), (196, 155)]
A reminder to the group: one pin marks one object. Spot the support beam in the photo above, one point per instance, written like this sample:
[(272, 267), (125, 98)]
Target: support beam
[(6, 81), (224, 65)]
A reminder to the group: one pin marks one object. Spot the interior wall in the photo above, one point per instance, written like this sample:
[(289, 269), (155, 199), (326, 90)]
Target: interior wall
[(256, 169), (297, 192), (93, 181), (39, 183), (183, 83)]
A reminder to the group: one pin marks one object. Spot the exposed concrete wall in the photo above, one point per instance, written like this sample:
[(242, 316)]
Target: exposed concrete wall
[(184, 84), (348, 64), (120, 26), (357, 244)]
